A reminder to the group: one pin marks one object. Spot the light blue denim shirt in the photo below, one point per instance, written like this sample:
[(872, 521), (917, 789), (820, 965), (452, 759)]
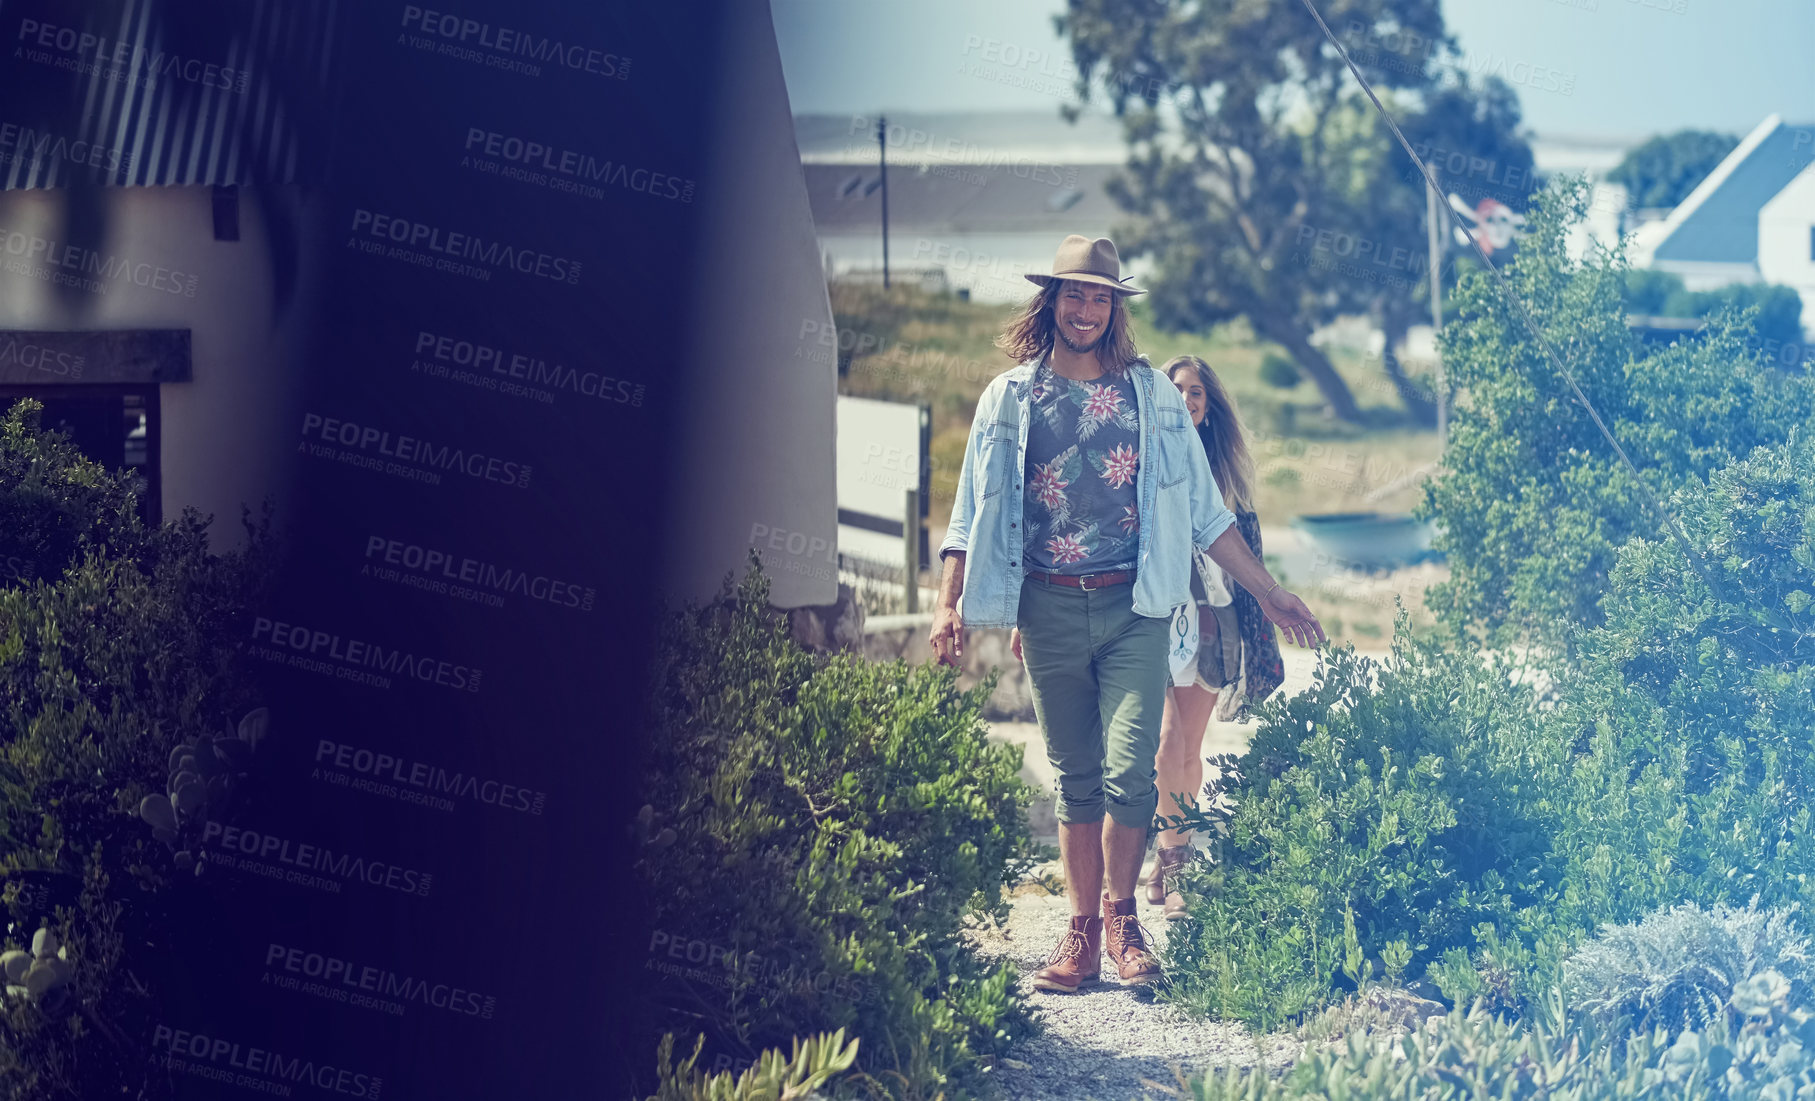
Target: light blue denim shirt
[(1179, 504)]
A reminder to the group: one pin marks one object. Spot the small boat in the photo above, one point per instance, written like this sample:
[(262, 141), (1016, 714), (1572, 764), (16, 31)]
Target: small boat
[(1368, 540)]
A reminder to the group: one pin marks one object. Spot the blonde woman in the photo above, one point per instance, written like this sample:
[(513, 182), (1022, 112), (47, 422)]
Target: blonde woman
[(1224, 655)]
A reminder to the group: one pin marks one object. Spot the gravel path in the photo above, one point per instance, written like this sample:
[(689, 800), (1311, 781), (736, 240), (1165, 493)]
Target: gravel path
[(1106, 1042)]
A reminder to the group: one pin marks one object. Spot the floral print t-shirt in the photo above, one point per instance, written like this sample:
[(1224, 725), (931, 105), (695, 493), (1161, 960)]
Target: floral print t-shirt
[(1083, 449)]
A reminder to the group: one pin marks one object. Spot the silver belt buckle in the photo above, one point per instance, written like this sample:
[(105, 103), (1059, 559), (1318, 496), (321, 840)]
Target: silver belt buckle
[(1084, 583)]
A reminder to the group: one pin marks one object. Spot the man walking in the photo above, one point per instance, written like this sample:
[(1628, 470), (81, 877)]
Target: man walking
[(1083, 494)]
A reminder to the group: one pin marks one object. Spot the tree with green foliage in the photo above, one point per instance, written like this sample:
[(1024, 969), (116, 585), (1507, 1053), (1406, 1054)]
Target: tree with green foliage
[(1662, 171), (1533, 503), (1251, 148)]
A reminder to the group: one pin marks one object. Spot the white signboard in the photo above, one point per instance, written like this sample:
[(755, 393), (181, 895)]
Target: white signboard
[(880, 458)]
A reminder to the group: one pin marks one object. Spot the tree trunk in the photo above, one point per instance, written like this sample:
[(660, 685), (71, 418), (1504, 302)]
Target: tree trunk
[(1287, 334), (1419, 403)]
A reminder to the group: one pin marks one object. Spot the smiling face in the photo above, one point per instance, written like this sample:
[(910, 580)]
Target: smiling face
[(1191, 387), (1082, 313)]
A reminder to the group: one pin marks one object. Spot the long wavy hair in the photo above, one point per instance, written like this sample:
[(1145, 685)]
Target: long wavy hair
[(1029, 335), (1225, 440)]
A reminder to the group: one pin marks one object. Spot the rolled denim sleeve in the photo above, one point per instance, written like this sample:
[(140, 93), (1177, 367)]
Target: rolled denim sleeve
[(964, 501)]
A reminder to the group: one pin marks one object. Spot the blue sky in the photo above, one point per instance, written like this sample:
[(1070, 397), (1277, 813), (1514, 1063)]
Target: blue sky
[(1611, 68)]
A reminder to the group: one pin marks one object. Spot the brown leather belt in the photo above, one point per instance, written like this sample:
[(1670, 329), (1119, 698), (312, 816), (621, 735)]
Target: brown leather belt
[(1086, 581)]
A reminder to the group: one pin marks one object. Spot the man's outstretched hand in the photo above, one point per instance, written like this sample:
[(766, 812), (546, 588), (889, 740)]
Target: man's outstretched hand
[(1294, 620)]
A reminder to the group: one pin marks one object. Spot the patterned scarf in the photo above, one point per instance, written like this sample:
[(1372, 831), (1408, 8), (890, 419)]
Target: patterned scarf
[(1262, 669)]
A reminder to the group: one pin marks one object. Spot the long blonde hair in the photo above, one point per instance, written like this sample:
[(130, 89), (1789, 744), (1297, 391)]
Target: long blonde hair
[(1030, 333), (1224, 438)]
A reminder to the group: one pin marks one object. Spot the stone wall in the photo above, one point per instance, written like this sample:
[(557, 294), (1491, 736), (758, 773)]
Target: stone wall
[(829, 627), (886, 638)]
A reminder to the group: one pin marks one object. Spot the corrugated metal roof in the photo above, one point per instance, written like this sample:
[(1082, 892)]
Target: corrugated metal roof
[(975, 137), (1718, 222), (154, 92), (963, 198)]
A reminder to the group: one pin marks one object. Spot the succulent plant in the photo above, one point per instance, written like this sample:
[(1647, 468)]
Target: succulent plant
[(1681, 968), (15, 963), (42, 974), (646, 832), (775, 1076), (202, 777)]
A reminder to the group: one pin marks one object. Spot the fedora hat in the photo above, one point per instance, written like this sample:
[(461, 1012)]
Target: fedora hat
[(1087, 261)]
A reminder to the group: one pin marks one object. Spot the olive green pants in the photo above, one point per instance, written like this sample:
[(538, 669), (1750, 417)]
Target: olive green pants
[(1098, 675)]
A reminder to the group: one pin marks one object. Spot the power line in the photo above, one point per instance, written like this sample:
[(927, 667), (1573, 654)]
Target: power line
[(1531, 325)]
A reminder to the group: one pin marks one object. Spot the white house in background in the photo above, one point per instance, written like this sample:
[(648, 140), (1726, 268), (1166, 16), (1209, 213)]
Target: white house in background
[(162, 347), (1786, 241), (1751, 220)]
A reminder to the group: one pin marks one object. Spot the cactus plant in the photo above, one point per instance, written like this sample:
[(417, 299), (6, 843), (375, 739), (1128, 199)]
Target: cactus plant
[(203, 778), (41, 975), (14, 963), (646, 833)]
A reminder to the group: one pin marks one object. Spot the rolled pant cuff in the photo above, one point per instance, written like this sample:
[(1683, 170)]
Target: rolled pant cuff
[(1134, 817), (1077, 814)]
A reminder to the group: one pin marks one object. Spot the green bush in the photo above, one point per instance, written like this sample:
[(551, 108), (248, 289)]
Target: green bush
[(1279, 371), (127, 644), (826, 825), (1385, 817), (53, 501), (1438, 807), (1657, 293), (1436, 818), (1718, 687)]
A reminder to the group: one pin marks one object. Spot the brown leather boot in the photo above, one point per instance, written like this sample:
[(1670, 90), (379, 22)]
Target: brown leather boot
[(1155, 883), (1125, 942), (1166, 868), (1077, 960)]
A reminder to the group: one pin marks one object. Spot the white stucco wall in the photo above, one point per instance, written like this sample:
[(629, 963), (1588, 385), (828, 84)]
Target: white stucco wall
[(753, 455), (1786, 254), (223, 432)]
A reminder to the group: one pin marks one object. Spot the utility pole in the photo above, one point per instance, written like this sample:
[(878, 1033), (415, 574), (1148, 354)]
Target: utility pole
[(1433, 225), (882, 160)]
